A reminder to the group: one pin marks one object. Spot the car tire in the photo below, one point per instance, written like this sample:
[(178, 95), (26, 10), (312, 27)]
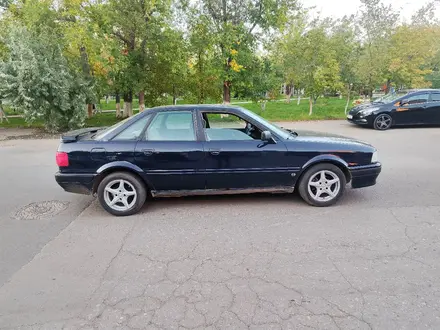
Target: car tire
[(322, 185), (122, 193), (382, 122)]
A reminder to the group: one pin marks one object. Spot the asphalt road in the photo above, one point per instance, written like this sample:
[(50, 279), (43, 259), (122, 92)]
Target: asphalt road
[(231, 262)]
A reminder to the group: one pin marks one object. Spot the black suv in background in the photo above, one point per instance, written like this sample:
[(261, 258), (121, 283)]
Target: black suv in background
[(416, 107)]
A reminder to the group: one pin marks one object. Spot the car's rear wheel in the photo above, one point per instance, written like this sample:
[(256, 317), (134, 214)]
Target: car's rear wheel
[(382, 122), (121, 193), (322, 185)]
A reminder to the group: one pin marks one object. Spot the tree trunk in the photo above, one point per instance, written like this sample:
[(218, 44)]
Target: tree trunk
[(89, 110), (128, 104), (310, 106), (299, 97), (226, 92), (141, 101), (174, 95), (388, 87), (288, 92), (348, 98), (118, 105), (2, 114)]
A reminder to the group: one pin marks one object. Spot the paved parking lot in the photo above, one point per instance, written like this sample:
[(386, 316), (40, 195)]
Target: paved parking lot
[(233, 262)]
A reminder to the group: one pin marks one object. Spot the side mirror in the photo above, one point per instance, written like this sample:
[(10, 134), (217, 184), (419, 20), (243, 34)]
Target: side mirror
[(404, 101), (266, 136)]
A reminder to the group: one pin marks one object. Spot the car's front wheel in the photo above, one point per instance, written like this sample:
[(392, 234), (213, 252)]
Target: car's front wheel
[(382, 122), (121, 193), (322, 185)]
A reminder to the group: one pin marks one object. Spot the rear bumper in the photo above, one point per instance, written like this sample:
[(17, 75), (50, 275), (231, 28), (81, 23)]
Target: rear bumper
[(365, 176), (76, 183)]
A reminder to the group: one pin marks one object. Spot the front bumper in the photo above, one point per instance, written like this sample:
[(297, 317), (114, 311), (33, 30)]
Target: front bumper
[(360, 120), (76, 183), (365, 176)]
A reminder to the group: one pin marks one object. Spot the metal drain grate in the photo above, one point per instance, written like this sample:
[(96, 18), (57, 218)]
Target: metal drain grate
[(40, 210)]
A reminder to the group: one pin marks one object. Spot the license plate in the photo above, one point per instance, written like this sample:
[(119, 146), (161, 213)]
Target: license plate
[(349, 117)]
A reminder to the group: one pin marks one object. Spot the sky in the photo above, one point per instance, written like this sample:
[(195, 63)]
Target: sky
[(339, 8)]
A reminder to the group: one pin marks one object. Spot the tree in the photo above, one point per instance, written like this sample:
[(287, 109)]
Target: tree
[(288, 54), (37, 80), (134, 24), (321, 69), (376, 24), (347, 51), (411, 49), (204, 81), (238, 26), (265, 82)]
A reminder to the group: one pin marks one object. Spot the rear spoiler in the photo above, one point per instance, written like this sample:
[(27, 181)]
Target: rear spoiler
[(73, 136)]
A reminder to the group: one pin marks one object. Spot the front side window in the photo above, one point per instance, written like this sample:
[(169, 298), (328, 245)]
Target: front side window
[(417, 99), (172, 126), (435, 97), (228, 127), (134, 131)]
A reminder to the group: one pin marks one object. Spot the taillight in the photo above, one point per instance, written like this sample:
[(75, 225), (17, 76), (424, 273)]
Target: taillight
[(62, 159)]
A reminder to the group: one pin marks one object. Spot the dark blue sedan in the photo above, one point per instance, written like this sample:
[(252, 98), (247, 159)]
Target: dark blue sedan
[(206, 149)]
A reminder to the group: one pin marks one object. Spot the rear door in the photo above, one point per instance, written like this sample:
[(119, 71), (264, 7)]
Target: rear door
[(237, 158), (412, 112), (170, 152)]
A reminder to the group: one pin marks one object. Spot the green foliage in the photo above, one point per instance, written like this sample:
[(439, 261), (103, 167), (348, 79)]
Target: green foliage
[(234, 31), (38, 81), (171, 51)]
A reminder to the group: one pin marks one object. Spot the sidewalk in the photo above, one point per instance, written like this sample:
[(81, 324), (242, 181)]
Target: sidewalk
[(8, 133)]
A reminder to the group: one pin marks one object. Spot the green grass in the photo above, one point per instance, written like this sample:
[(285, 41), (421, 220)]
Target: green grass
[(331, 108), (325, 108), (20, 123)]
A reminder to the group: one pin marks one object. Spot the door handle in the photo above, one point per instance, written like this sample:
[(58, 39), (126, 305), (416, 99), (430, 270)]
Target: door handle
[(148, 152), (214, 152)]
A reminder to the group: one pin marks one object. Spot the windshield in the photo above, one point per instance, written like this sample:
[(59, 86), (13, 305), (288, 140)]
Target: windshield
[(390, 98), (102, 134), (278, 130)]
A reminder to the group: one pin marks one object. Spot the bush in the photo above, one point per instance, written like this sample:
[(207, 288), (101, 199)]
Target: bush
[(38, 82)]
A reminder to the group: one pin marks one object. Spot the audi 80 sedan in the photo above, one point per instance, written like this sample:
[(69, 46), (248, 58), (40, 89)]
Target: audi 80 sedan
[(416, 107), (176, 151)]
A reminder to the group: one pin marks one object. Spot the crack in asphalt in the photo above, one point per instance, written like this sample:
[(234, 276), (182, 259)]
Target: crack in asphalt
[(244, 288)]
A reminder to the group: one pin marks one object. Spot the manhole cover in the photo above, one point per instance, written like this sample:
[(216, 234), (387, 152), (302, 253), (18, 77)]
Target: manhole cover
[(40, 210)]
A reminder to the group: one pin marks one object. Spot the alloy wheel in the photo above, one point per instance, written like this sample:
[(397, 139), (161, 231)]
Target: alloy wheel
[(324, 186), (120, 195), (382, 122)]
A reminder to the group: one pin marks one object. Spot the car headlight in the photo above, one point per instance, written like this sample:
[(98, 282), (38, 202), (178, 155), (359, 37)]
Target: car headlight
[(375, 157), (368, 111)]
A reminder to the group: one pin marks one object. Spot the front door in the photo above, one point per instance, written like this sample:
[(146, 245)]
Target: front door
[(170, 154), (237, 158), (432, 114), (412, 112)]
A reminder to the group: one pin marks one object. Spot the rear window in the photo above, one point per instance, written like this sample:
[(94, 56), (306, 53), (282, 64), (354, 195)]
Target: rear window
[(102, 135)]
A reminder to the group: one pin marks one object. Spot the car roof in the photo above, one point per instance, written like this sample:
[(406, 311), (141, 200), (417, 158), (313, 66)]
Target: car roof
[(421, 90), (214, 107)]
